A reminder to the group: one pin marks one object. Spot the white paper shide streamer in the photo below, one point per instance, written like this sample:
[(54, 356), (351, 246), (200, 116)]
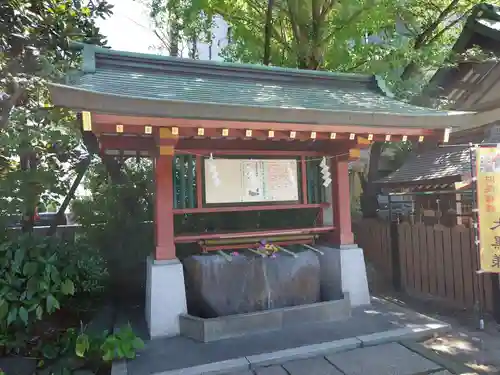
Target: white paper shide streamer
[(212, 168), (325, 172)]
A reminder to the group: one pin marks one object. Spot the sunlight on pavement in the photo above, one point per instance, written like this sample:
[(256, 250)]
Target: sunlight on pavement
[(451, 346)]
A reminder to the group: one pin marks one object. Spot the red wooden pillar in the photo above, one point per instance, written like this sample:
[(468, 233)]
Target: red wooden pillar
[(341, 202), (164, 217), (303, 173)]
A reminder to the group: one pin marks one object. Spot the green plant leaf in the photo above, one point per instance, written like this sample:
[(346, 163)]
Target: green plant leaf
[(52, 304), (39, 312), (82, 345), (130, 353), (54, 275), (137, 343), (23, 314), (107, 356), (12, 316), (67, 287), (49, 351), (4, 309), (32, 287), (119, 352), (30, 269), (18, 257)]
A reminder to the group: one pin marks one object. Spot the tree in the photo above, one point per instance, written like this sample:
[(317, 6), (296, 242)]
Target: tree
[(268, 29), (39, 143), (405, 42)]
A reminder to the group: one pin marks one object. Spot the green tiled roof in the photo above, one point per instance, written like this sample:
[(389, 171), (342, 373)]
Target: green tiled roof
[(173, 79), (132, 84)]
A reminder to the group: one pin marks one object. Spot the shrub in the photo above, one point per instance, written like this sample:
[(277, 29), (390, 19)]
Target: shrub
[(38, 275), (116, 219)]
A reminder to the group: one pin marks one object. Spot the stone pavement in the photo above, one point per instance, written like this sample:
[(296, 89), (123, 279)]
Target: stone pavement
[(477, 350), (385, 359), (464, 345), (381, 322)]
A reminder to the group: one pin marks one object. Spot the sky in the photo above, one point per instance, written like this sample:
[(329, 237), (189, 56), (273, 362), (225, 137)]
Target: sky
[(128, 29)]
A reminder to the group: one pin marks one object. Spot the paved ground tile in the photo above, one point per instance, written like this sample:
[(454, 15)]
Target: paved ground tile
[(271, 370), (388, 359), (313, 366)]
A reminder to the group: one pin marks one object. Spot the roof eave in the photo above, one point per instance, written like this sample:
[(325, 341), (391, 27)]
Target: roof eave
[(438, 180), (85, 100)]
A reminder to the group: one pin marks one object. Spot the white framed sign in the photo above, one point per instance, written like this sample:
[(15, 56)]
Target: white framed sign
[(247, 181)]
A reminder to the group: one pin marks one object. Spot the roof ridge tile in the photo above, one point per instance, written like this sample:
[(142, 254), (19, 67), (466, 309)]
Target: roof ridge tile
[(95, 54)]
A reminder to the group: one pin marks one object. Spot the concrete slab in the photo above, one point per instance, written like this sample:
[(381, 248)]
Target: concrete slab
[(272, 370), (118, 368), (446, 362), (215, 368), (387, 359), (225, 327), (315, 366), (307, 351), (407, 333), (297, 342), (233, 365)]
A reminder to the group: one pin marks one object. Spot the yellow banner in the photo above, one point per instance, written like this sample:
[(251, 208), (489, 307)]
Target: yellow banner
[(488, 203)]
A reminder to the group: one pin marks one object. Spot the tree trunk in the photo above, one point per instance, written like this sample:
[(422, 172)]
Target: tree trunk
[(267, 33), (29, 165), (369, 201), (194, 47), (426, 38), (174, 36), (113, 168), (84, 166)]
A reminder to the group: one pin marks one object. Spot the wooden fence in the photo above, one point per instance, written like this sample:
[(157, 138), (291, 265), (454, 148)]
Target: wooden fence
[(428, 261), (374, 237)]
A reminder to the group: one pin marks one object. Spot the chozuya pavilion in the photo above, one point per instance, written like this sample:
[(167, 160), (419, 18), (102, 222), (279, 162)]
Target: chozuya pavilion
[(251, 138)]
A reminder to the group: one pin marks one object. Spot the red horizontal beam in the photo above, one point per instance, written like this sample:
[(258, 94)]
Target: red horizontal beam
[(187, 238), (124, 142), (228, 146), (219, 124), (248, 208), (240, 145), (211, 133), (106, 129), (218, 152)]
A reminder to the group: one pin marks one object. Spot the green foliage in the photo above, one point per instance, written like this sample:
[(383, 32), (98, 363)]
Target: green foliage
[(120, 345), (75, 350), (39, 274), (412, 38), (38, 143), (116, 219)]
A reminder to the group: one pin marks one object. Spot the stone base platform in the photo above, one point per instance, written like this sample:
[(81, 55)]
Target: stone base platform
[(225, 327), (379, 323)]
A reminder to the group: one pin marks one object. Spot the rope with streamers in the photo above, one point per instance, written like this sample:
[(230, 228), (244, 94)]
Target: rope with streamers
[(325, 158)]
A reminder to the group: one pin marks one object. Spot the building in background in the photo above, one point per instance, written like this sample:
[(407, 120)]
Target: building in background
[(439, 179)]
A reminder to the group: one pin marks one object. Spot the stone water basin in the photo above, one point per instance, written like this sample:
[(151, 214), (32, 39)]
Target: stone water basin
[(248, 283)]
